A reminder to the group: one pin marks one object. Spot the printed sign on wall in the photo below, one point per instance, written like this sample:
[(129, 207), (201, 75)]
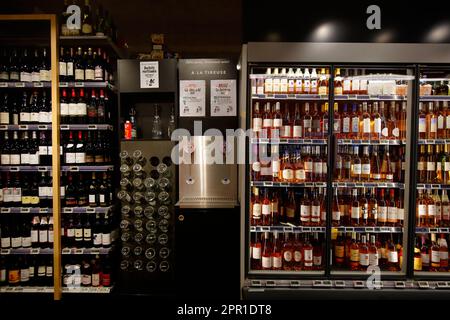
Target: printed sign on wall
[(223, 98), (192, 98), (149, 71)]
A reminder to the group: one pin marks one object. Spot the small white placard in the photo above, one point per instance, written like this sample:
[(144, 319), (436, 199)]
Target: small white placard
[(223, 98), (149, 71), (192, 98)]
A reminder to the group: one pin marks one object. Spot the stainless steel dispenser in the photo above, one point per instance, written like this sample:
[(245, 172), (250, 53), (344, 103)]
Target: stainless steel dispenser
[(207, 173)]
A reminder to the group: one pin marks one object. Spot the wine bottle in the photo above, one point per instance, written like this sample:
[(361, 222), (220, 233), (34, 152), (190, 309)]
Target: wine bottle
[(25, 115)]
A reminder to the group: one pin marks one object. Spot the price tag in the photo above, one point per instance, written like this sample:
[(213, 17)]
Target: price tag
[(349, 229), (95, 251), (66, 251), (444, 230), (23, 127), (288, 229), (317, 229), (5, 251), (339, 284), (350, 184), (3, 84), (9, 289), (90, 210), (370, 229), (5, 210), (434, 230), (265, 229), (43, 210), (309, 184), (252, 229), (317, 283), (385, 229), (20, 85), (38, 85), (295, 283), (18, 289), (24, 210), (79, 251), (79, 84), (435, 186), (74, 168), (270, 283), (40, 289), (63, 84), (92, 127), (14, 169), (110, 168), (306, 229), (358, 284), (35, 251), (267, 184), (42, 169), (3, 127), (284, 184), (384, 141), (64, 127), (42, 127), (68, 210)]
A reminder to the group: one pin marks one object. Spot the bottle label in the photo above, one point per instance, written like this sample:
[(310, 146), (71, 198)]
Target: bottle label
[(373, 259), (92, 198), (366, 126), (297, 132), (300, 174), (43, 117), (447, 122), (25, 76), (317, 260), (440, 122), (26, 242), (51, 236), (13, 276), (290, 212), (275, 166), (393, 256), (267, 262), (431, 210), (308, 257), (256, 166), (35, 77), (80, 157), (315, 213), (79, 74), (446, 212), (16, 194), (5, 159), (433, 125), (14, 75), (435, 257), (422, 125), (79, 233), (70, 157), (377, 126), (86, 279), (25, 158), (401, 214), (98, 73), (291, 86), (25, 117), (89, 74), (43, 150), (308, 166), (62, 68), (267, 123), (355, 125), (356, 169), (69, 69), (392, 214), (286, 131), (81, 109), (336, 215), (34, 158), (268, 85), (355, 213), (443, 255), (16, 242), (354, 255), (266, 209), (389, 177), (339, 251), (346, 125), (4, 75), (64, 109), (45, 75), (318, 168), (97, 239), (101, 198), (364, 259), (43, 236), (5, 242), (106, 239), (298, 86), (73, 109), (366, 169), (425, 259), (288, 174), (276, 262), (287, 256), (256, 212), (256, 253), (417, 264), (305, 212), (421, 166), (422, 210), (257, 124), (4, 117)]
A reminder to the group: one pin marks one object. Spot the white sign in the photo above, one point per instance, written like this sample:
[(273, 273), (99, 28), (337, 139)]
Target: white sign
[(192, 98), (149, 71), (223, 98)]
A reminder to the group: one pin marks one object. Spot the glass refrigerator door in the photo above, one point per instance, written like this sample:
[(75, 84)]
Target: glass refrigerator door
[(432, 211), (288, 162), (369, 210)]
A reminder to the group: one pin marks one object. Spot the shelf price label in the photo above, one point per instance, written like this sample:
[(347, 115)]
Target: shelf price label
[(20, 85), (5, 210), (5, 251), (42, 169), (68, 210), (23, 127), (35, 251), (79, 84), (66, 251), (24, 210), (3, 127), (44, 210), (79, 251), (42, 127), (90, 210), (74, 168), (63, 84), (95, 251), (38, 85), (3, 84), (92, 127), (64, 127), (14, 169)]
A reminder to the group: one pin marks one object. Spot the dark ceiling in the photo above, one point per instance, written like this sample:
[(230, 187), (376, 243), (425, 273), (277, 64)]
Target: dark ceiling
[(194, 28)]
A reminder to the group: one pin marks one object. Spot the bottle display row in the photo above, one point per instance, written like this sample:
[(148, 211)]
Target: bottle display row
[(33, 189), (434, 120), (26, 270), (433, 165), (80, 106), (431, 253), (25, 64), (86, 147), (297, 252), (87, 271), (434, 88), (84, 64), (367, 121), (26, 148), (356, 252), (432, 208), (26, 108), (316, 81)]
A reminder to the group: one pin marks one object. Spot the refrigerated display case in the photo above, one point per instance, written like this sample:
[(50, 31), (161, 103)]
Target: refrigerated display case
[(330, 166)]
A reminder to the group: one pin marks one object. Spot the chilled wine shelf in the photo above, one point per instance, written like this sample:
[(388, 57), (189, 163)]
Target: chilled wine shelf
[(97, 41), (432, 230), (13, 127), (370, 142), (72, 84), (435, 98), (351, 97), (432, 186), (65, 251), (369, 185), (290, 141), (63, 168), (50, 290), (287, 184), (300, 229), (369, 229), (434, 141), (280, 96)]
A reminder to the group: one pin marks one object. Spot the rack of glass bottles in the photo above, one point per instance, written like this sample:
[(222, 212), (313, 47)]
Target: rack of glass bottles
[(26, 222), (289, 168)]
